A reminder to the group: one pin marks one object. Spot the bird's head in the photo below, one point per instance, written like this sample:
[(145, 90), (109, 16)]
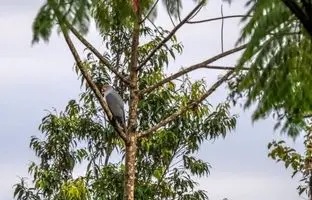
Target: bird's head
[(105, 88)]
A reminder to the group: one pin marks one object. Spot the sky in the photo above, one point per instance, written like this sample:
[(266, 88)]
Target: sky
[(34, 79)]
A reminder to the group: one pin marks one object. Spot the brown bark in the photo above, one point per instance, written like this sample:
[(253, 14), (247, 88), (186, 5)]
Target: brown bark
[(130, 168), (134, 97)]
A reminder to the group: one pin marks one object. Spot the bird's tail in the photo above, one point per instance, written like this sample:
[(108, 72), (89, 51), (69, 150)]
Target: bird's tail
[(121, 121)]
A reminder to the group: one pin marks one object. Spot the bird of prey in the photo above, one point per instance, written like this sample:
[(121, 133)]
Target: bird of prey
[(115, 103)]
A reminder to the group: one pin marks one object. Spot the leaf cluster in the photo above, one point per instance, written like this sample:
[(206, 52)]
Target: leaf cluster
[(279, 62), (301, 164), (81, 136), (166, 162)]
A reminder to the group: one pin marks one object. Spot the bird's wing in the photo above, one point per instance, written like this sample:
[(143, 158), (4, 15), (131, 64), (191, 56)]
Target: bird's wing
[(116, 105)]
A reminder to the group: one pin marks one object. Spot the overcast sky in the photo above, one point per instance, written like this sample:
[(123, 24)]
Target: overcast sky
[(36, 78)]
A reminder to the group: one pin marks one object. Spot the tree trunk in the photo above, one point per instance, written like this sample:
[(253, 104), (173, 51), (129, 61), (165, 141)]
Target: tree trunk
[(131, 146), (130, 170)]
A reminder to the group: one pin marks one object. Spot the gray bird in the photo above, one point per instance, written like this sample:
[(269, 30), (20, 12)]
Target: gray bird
[(115, 103)]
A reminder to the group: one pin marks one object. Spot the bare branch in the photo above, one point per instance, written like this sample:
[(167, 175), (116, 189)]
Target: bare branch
[(88, 78), (96, 52), (189, 106), (224, 67), (194, 67), (217, 18), (149, 12), (152, 53), (222, 28)]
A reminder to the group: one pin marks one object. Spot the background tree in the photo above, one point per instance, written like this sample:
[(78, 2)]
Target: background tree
[(278, 79), (278, 60), (162, 113)]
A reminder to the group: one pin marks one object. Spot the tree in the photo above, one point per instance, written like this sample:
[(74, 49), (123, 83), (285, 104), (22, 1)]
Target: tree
[(159, 106), (278, 58), (80, 136)]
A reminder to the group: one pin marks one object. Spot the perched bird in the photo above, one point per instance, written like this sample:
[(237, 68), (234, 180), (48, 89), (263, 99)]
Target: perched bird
[(115, 103)]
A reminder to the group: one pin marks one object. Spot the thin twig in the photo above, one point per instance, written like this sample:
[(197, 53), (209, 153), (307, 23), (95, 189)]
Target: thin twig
[(96, 52), (222, 27), (224, 67), (217, 18), (190, 105), (149, 12), (170, 17), (194, 15), (203, 64), (170, 35), (160, 33)]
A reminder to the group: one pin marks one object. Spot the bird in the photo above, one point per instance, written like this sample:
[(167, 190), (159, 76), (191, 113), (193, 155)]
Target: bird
[(115, 103)]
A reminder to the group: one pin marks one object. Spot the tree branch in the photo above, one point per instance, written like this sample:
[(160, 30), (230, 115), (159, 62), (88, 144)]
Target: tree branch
[(222, 29), (217, 18), (96, 52), (170, 35), (295, 8), (149, 12), (194, 67), (224, 67), (88, 78), (189, 106)]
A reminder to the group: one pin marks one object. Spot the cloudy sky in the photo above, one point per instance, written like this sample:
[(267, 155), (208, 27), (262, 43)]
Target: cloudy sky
[(41, 77)]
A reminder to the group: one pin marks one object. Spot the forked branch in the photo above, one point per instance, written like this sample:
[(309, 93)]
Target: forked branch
[(152, 53), (96, 52), (203, 64), (190, 105), (88, 78), (217, 18)]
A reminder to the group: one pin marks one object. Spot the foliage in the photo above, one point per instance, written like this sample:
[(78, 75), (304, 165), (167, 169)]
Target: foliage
[(301, 9), (107, 14), (166, 162), (301, 164), (81, 136), (279, 62)]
